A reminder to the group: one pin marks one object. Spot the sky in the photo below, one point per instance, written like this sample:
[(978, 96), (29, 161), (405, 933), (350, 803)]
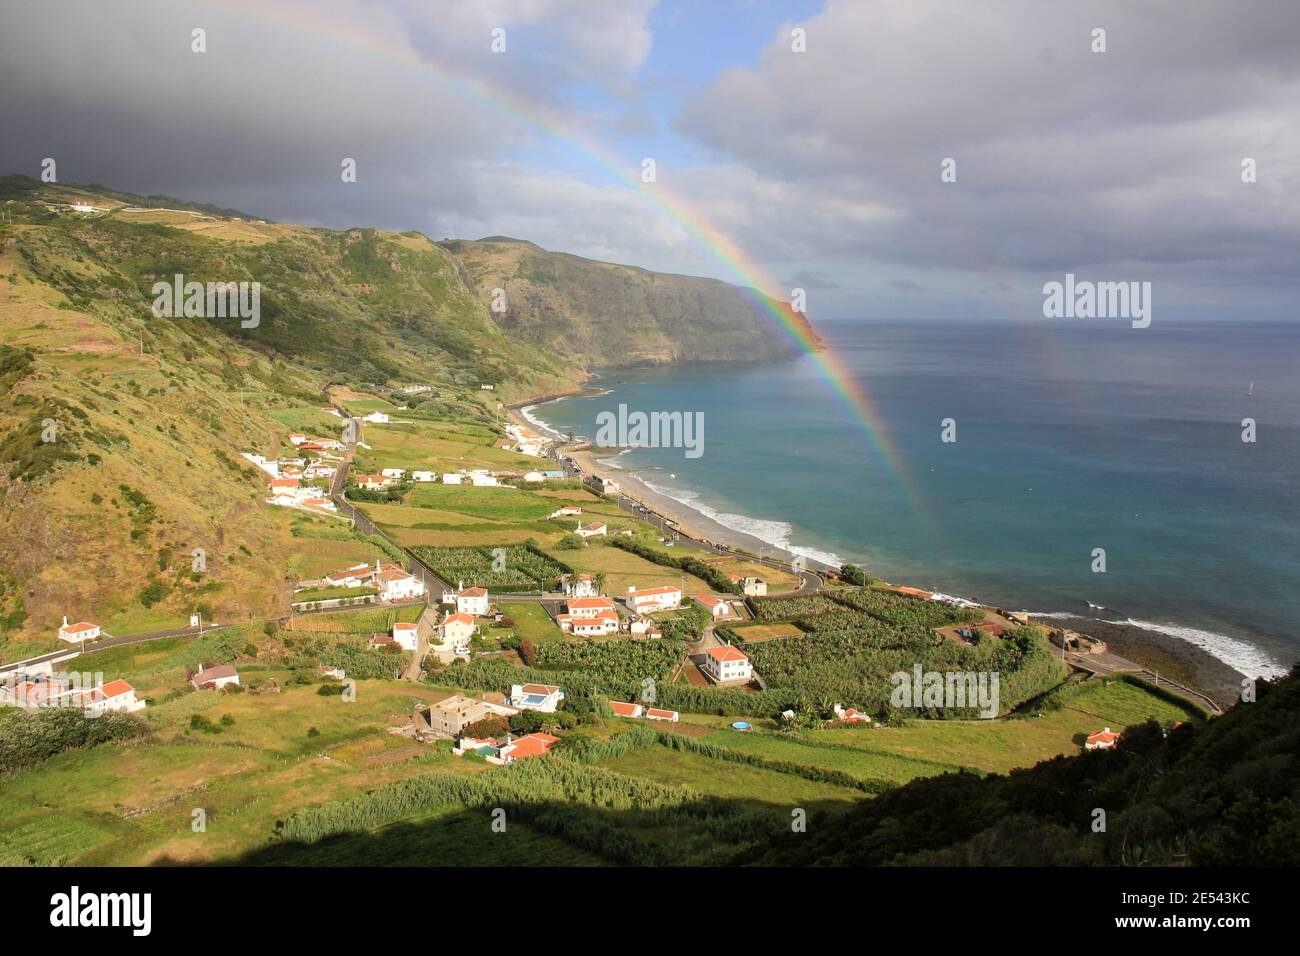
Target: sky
[(816, 168)]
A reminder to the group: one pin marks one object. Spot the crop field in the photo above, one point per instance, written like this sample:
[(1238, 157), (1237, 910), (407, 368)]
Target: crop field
[(753, 633), (623, 570), (510, 568), (754, 787)]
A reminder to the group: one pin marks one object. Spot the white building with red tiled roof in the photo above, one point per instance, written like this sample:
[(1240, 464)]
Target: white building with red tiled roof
[(534, 745), (76, 633), (726, 665), (473, 601), (406, 635), (663, 598), (594, 530), (594, 625), (116, 695), (396, 585), (622, 709), (456, 631), (1102, 740), (578, 585)]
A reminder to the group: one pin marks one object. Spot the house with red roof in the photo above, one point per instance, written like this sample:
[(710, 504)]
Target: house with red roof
[(455, 632), (850, 716), (534, 745), (396, 585), (726, 665), (663, 598), (473, 601), (406, 635), (622, 709), (116, 695), (654, 713), (1102, 740), (76, 633), (593, 530)]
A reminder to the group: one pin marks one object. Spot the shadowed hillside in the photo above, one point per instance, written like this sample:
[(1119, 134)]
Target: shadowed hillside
[(598, 313), (1225, 793)]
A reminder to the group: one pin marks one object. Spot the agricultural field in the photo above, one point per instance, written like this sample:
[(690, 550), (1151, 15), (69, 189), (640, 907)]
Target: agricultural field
[(506, 568), (623, 570), (532, 623), (753, 633)]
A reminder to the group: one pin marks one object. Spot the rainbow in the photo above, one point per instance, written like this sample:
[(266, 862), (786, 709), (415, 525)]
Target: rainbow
[(720, 247)]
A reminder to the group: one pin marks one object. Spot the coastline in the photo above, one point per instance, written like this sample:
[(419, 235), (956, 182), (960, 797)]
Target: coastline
[(1173, 656)]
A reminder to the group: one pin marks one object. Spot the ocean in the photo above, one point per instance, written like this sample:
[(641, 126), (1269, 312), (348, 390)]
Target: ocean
[(1071, 436)]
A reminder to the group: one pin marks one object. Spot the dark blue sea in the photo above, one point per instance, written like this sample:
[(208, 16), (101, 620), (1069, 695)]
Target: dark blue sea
[(1071, 436)]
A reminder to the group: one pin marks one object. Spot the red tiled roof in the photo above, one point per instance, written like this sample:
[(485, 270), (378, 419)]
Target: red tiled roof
[(459, 618), (654, 592), (545, 689), (474, 592), (602, 603), (727, 653), (534, 745), (1103, 737), (621, 709), (78, 628)]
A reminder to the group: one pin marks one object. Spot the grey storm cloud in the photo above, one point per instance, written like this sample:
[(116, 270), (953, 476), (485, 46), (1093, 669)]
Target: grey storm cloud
[(285, 91), (1065, 158), (823, 166)]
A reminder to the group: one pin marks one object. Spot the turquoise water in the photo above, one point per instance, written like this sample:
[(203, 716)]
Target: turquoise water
[(1070, 437)]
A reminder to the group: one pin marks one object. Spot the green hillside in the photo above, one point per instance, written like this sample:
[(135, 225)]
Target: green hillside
[(122, 431), (1218, 793), (601, 314)]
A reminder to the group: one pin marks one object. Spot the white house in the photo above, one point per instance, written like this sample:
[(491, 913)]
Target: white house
[(589, 606), (396, 585), (663, 598), (393, 472), (1102, 740), (589, 617), (597, 625), (579, 585), (622, 709), (655, 713), (542, 697), (407, 636), (353, 577), (534, 476), (482, 479), (297, 438), (214, 677), (376, 418), (752, 586), (716, 606), (645, 627), (593, 530), (423, 476), (456, 631), (116, 695), (76, 633), (727, 665), (473, 601), (453, 477), (568, 511)]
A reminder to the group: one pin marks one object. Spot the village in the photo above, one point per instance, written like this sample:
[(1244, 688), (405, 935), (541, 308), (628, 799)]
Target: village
[(469, 604)]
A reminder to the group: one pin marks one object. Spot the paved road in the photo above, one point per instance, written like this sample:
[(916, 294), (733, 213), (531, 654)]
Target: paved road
[(1107, 664), (433, 584)]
